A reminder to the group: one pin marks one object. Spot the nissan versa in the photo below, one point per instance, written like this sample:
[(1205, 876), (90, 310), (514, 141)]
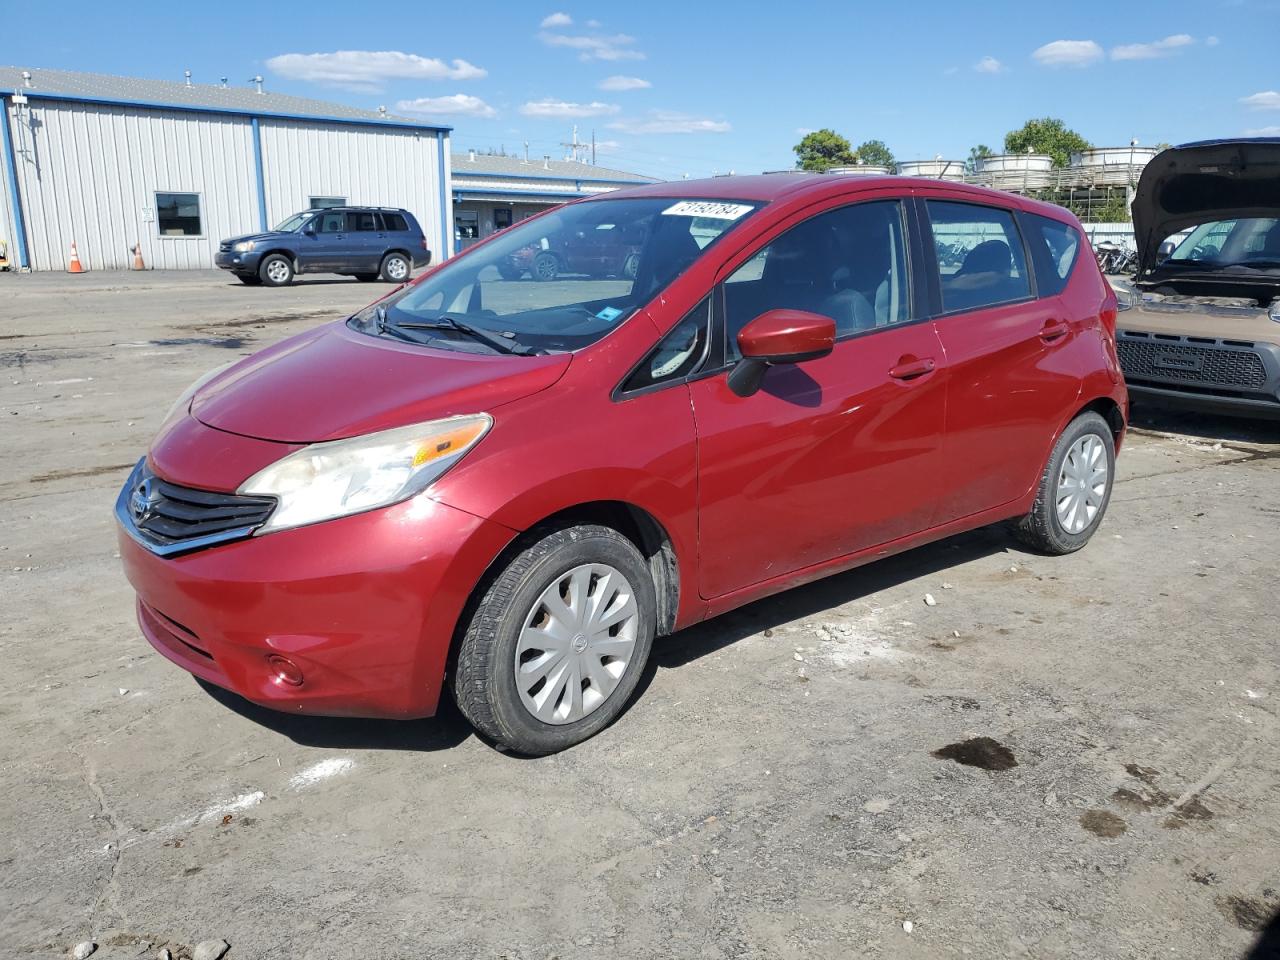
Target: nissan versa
[(512, 486)]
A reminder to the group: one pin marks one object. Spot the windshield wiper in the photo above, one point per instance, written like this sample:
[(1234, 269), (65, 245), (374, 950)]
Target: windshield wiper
[(499, 342)]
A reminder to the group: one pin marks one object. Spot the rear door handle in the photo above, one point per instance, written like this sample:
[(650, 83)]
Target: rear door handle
[(909, 368), (1054, 330)]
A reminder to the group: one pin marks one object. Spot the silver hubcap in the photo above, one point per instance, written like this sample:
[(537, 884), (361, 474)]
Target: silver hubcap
[(1082, 484), (576, 643), (278, 271), (396, 268)]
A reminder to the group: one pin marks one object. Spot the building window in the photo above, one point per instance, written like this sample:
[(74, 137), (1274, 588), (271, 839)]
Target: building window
[(178, 214), (321, 203), (466, 224)]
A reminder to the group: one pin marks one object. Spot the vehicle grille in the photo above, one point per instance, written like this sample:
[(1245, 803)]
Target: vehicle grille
[(224, 247), (1144, 357), (170, 519)]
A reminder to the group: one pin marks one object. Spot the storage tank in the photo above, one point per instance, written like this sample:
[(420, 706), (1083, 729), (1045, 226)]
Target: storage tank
[(1105, 156), (936, 169), (1015, 171), (858, 170)]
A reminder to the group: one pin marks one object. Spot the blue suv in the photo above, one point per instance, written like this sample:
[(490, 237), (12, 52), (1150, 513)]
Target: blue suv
[(368, 243)]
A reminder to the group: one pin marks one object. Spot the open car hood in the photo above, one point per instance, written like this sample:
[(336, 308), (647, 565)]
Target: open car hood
[(1198, 182)]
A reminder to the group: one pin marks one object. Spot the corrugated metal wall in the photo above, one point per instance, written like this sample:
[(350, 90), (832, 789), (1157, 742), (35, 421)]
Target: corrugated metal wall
[(390, 168), (89, 173)]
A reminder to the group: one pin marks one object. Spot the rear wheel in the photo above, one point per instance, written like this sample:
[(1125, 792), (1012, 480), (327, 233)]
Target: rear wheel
[(395, 268), (276, 271), (1074, 490), (555, 647), (545, 266)]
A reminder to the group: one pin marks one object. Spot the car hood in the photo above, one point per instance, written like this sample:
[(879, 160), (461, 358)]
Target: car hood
[(332, 382), (1199, 182), (269, 235)]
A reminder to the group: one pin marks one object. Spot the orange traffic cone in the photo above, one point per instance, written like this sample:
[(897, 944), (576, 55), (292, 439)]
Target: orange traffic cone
[(137, 257), (74, 265)]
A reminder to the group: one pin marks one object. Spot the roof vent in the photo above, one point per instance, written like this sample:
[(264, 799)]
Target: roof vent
[(471, 155), (26, 78), (382, 112), (257, 81), (546, 161), (187, 74), (223, 81)]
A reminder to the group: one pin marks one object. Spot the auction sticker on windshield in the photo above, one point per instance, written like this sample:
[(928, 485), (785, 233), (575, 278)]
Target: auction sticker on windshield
[(708, 208)]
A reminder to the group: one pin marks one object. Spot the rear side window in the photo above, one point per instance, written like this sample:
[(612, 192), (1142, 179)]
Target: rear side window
[(1054, 248), (981, 262), (363, 221), (395, 223)]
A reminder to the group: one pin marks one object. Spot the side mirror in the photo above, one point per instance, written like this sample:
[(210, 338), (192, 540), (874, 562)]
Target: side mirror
[(1165, 250), (779, 336)]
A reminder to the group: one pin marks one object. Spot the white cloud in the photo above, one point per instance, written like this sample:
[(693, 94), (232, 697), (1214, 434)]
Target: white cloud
[(608, 146), (989, 65), (458, 105), (1211, 41), (669, 121), (556, 20), (804, 131), (563, 108), (624, 83), (1068, 53), (594, 24), (615, 47), (368, 70), (1266, 100), (1151, 51), (1263, 132)]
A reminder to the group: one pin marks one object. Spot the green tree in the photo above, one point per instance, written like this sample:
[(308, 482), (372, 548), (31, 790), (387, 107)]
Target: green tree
[(976, 155), (1046, 135), (820, 150), (874, 153)]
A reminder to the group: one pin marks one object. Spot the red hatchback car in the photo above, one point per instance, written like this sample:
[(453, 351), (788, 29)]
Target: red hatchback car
[(514, 487)]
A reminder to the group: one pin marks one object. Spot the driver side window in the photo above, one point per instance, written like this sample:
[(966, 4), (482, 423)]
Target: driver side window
[(849, 264)]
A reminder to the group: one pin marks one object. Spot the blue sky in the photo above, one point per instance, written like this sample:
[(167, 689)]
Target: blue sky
[(685, 87)]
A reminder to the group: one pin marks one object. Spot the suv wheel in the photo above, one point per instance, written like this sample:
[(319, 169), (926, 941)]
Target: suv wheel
[(555, 647), (545, 266), (276, 270), (395, 268), (631, 266), (1074, 490)]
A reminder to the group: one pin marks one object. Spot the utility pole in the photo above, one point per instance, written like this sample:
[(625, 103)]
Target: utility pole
[(574, 146), (593, 146)]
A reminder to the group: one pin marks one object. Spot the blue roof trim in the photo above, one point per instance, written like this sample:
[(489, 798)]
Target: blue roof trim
[(227, 111), (566, 194), (464, 174)]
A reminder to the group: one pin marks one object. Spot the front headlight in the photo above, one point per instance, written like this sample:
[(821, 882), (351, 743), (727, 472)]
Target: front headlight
[(340, 477), (244, 246)]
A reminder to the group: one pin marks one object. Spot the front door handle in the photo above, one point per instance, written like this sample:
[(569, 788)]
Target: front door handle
[(912, 368), (1054, 330)]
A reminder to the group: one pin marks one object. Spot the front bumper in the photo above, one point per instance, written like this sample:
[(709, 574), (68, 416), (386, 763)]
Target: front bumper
[(237, 262), (363, 606), (1222, 375)]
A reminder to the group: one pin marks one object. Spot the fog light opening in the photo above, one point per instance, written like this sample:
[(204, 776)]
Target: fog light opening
[(284, 671)]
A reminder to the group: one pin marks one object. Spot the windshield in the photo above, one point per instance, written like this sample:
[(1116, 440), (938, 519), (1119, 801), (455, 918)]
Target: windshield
[(293, 223), (1222, 243), (559, 282)]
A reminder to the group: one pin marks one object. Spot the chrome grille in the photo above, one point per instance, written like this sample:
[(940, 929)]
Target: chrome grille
[(169, 519), (1177, 360)]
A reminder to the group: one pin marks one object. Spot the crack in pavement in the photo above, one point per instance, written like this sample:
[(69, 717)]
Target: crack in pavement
[(109, 893)]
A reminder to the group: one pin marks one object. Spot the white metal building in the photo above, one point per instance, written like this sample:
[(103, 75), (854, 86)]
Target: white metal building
[(492, 192), (108, 162)]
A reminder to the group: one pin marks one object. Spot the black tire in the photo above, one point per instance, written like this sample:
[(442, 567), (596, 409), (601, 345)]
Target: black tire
[(545, 266), (484, 683), (365, 277), (272, 274), (631, 266), (396, 267), (1041, 529), (249, 279)]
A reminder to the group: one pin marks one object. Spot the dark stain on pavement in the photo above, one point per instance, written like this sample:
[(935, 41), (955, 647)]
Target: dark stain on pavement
[(980, 752), (1103, 823)]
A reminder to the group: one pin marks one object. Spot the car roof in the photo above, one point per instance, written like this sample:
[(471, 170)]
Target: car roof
[(349, 207), (771, 187)]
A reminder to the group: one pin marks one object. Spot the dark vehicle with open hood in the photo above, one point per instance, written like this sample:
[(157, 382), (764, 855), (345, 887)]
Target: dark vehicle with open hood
[(1200, 324)]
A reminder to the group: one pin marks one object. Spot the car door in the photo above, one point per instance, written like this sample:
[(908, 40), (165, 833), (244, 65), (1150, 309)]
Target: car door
[(329, 249), (1011, 381), (367, 238), (834, 455)]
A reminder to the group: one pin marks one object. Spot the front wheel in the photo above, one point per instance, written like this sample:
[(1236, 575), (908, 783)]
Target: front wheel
[(276, 271), (1074, 489), (395, 268), (555, 647), (545, 266)]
